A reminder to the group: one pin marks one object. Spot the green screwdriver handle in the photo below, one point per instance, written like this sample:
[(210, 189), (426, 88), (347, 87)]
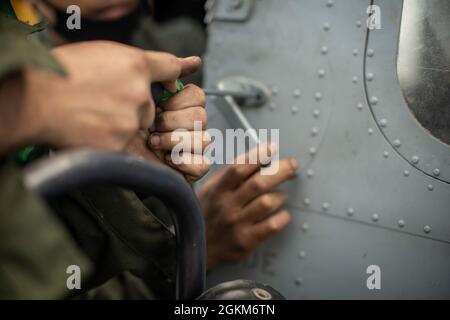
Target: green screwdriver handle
[(160, 94)]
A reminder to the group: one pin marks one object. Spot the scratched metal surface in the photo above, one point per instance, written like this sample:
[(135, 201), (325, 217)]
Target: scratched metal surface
[(360, 198), (424, 64)]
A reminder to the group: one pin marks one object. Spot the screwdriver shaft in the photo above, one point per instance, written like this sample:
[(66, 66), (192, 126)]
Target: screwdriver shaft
[(224, 93)]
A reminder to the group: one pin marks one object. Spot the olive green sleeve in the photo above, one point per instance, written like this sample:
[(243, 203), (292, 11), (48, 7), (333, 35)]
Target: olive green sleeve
[(18, 51), (35, 247)]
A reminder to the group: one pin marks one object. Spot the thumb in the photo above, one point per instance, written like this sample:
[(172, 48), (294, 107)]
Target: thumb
[(167, 68), (188, 66)]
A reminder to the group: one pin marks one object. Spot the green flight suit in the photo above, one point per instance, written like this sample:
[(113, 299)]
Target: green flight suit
[(35, 248)]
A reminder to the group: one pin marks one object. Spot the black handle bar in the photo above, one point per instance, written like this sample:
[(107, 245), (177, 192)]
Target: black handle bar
[(67, 171)]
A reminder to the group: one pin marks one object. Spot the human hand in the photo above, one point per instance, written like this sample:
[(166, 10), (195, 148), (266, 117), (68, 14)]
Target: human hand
[(105, 99), (179, 112), (242, 209)]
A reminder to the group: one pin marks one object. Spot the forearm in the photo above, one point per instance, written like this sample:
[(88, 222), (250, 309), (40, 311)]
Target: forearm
[(10, 112)]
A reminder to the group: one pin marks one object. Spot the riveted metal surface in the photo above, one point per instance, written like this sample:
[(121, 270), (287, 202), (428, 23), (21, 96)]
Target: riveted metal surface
[(333, 257), (423, 151), (363, 202)]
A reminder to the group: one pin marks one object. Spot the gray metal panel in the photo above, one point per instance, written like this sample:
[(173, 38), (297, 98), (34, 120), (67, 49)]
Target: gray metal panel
[(329, 261), (418, 146), (363, 203)]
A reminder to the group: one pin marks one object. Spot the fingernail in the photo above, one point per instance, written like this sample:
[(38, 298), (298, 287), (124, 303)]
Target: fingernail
[(294, 164), (155, 140), (193, 58)]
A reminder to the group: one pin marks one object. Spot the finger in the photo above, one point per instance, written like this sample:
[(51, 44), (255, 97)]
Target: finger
[(163, 66), (193, 165), (244, 166), (195, 141), (259, 184), (270, 226), (189, 97), (262, 206), (170, 86), (182, 119), (188, 66)]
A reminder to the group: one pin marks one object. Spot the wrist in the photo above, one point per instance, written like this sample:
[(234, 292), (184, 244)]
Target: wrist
[(16, 130), (40, 110)]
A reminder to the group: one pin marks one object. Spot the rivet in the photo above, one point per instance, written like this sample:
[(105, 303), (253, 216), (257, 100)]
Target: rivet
[(427, 229), (355, 52), (355, 79), (370, 76), (305, 227), (310, 173), (314, 131), (360, 106), (326, 26), (307, 201), (430, 187), (297, 93), (397, 143), (350, 212), (325, 206), (370, 131), (324, 49), (415, 159), (302, 254), (299, 281), (375, 217), (370, 52), (330, 3), (358, 23), (386, 154), (406, 173), (316, 113), (321, 73), (318, 96), (436, 172), (294, 109), (383, 123), (312, 151), (401, 223), (373, 100)]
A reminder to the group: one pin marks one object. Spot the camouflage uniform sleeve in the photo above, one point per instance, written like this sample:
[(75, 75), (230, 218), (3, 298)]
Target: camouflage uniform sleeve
[(18, 51), (35, 247)]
